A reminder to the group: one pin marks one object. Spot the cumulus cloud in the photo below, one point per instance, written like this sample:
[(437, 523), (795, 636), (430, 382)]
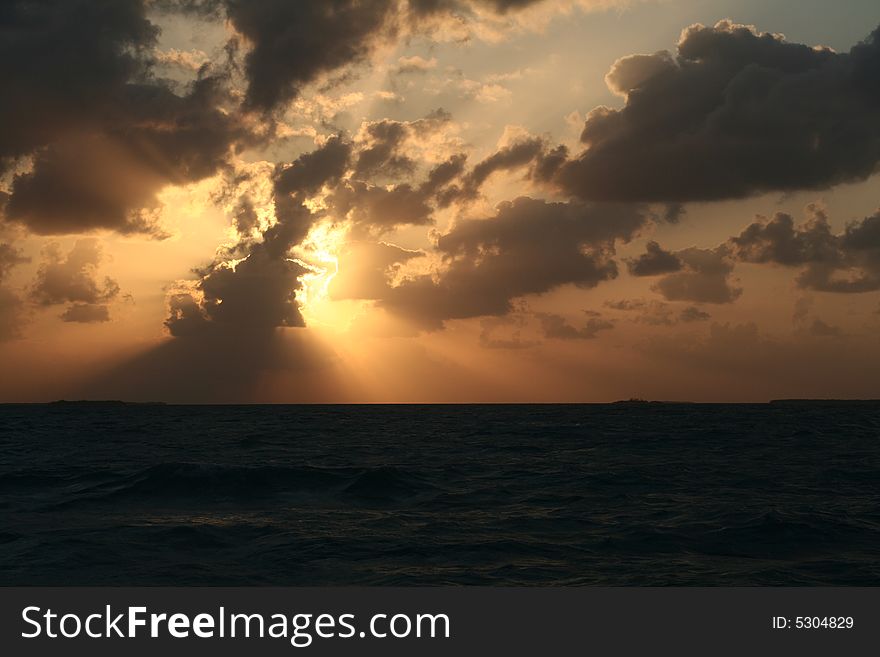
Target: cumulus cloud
[(292, 44), (102, 134), (10, 257), (10, 302), (99, 134), (693, 314), (255, 282), (251, 294), (251, 285), (523, 151), (704, 278), (658, 313), (390, 150), (529, 247), (846, 262), (86, 313), (734, 112), (557, 327), (654, 261), (693, 274), (73, 279)]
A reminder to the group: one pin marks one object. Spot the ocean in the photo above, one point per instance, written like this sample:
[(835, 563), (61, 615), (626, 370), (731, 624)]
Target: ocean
[(617, 494)]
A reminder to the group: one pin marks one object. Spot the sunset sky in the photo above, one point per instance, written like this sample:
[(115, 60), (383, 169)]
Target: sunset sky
[(439, 200)]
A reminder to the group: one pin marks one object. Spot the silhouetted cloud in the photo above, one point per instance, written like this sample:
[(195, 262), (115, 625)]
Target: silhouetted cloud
[(535, 153), (528, 247), (252, 285), (734, 113), (428, 7), (291, 44), (9, 257), (314, 169), (658, 313), (10, 303), (654, 261), (704, 278), (557, 327), (105, 134), (848, 262), (693, 314), (383, 154), (86, 313), (73, 279)]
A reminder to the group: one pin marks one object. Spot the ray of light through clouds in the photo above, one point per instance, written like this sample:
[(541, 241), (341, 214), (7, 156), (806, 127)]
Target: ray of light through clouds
[(439, 200)]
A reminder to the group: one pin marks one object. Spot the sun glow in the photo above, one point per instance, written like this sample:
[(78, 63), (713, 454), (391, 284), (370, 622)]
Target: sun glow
[(319, 253)]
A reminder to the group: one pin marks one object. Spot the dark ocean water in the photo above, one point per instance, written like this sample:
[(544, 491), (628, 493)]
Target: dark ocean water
[(426, 495)]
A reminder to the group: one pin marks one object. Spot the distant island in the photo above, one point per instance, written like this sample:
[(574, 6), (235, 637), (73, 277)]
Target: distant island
[(825, 401), (101, 402), (639, 401)]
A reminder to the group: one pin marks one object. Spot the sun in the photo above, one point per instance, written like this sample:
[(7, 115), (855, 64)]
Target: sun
[(319, 254)]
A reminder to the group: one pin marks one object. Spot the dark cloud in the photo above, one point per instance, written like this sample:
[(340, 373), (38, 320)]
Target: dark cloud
[(658, 313), (557, 327), (311, 171), (251, 287), (374, 209), (247, 295), (73, 279), (693, 314), (704, 278), (823, 330), (528, 247), (654, 261), (382, 144), (463, 7), (673, 213), (64, 66), (443, 174), (380, 209), (296, 182), (293, 43), (533, 152), (9, 257), (11, 305), (778, 241), (383, 153), (734, 113), (104, 134), (10, 314), (253, 284), (86, 313), (829, 262)]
